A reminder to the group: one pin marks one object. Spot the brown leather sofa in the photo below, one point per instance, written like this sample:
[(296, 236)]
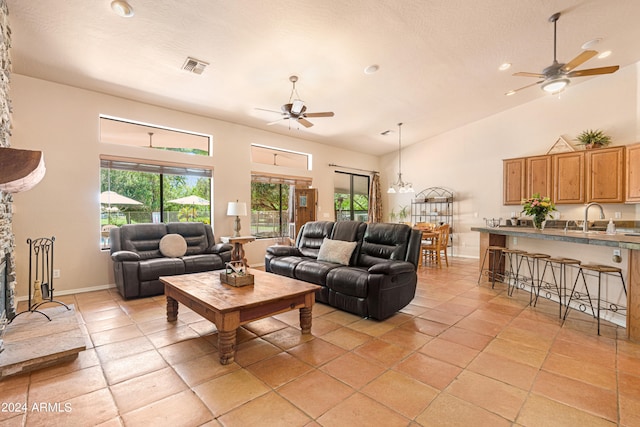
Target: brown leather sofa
[(376, 281), (138, 261)]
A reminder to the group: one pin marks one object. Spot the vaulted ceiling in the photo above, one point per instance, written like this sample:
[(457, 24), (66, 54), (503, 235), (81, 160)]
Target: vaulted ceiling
[(438, 60)]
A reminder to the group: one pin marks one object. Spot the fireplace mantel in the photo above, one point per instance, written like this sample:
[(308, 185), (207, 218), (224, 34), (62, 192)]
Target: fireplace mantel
[(20, 170)]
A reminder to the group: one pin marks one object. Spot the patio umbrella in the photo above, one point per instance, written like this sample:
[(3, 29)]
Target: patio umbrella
[(113, 198), (192, 200)]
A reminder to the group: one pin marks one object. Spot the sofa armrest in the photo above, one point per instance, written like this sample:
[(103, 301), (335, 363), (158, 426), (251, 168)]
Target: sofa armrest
[(125, 256), (219, 248), (283, 251), (392, 268)]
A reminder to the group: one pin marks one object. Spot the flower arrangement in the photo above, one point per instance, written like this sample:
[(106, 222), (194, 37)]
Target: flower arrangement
[(593, 138), (538, 207)]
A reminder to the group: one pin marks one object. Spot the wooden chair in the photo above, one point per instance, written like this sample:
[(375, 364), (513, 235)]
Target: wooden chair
[(437, 246)]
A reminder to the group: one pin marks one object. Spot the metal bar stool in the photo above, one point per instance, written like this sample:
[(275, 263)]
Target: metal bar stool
[(559, 282), (600, 270), (514, 260), (495, 255), (533, 262)]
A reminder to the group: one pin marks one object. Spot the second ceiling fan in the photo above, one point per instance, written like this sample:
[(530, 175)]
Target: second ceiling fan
[(295, 109), (556, 76)]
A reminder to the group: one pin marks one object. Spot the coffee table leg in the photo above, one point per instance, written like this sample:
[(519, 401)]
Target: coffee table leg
[(172, 310), (227, 346), (305, 320)]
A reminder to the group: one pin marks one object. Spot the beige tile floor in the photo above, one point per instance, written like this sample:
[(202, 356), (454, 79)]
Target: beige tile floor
[(459, 354)]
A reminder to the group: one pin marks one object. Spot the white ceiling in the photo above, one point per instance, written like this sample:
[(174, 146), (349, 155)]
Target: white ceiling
[(438, 59)]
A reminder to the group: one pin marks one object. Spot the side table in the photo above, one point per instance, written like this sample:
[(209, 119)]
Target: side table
[(238, 250)]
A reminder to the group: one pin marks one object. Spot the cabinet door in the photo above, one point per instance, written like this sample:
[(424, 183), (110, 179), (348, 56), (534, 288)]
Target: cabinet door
[(605, 179), (513, 181), (568, 178), (539, 176), (633, 173)]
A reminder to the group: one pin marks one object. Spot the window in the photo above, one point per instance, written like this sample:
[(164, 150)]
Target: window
[(279, 157), (125, 132), (134, 191), (271, 198), (351, 197)]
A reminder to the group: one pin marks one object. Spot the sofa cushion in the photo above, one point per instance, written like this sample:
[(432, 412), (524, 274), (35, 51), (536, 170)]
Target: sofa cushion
[(314, 271), (173, 246), (143, 239), (352, 281), (202, 262), (384, 242), (336, 251), (286, 265), (194, 233), (152, 269), (311, 236)]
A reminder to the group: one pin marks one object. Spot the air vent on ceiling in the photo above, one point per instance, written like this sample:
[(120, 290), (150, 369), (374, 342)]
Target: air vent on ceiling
[(194, 65)]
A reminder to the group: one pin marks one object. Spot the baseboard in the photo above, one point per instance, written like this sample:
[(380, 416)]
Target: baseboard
[(73, 291)]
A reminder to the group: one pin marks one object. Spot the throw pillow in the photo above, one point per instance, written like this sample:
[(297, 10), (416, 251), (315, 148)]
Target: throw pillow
[(337, 251), (173, 246)]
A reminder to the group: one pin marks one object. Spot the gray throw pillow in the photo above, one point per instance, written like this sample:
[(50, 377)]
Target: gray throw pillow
[(337, 251), (173, 246)]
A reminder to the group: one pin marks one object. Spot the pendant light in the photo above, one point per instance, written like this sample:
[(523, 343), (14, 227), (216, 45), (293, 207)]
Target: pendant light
[(400, 186)]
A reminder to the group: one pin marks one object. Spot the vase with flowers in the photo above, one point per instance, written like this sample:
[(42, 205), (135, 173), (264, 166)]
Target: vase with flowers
[(539, 208)]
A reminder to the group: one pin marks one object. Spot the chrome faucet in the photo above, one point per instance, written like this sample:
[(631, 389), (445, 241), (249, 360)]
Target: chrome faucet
[(585, 226)]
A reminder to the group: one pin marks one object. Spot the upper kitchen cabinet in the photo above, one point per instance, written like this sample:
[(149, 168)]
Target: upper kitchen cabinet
[(568, 178), (514, 185), (539, 176), (605, 175), (633, 173)]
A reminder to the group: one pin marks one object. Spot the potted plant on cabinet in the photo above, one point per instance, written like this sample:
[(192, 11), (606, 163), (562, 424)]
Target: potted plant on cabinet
[(403, 214), (593, 139)]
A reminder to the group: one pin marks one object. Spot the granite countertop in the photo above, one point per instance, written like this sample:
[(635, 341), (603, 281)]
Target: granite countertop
[(620, 239)]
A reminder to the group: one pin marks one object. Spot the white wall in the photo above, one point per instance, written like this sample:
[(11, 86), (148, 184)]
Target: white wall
[(62, 121), (468, 160)]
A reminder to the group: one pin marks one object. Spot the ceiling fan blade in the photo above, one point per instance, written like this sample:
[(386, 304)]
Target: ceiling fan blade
[(277, 121), (594, 71), (524, 74), (323, 114), (511, 92), (579, 60), (304, 122), (269, 111)]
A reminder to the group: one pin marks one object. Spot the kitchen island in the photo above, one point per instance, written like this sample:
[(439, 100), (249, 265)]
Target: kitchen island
[(570, 243)]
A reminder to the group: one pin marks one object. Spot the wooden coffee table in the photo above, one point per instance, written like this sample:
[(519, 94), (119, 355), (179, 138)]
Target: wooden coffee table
[(229, 307)]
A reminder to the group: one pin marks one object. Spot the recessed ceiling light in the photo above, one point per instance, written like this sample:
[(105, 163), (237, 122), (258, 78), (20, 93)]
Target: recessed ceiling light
[(371, 69), (122, 8), (604, 54), (504, 66), (591, 43)]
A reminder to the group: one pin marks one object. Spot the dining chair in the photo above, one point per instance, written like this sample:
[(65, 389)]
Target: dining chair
[(436, 247)]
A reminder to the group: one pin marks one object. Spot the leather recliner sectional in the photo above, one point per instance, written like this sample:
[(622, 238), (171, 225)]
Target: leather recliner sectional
[(379, 278)]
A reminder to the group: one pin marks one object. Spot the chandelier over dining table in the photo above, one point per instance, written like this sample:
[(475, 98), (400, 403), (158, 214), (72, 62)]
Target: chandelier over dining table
[(400, 186)]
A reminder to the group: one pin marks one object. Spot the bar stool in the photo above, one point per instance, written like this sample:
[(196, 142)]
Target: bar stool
[(512, 278), (533, 262), (600, 270), (495, 254), (560, 282)]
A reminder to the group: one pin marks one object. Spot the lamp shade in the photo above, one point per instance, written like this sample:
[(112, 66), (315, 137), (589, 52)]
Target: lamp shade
[(237, 209)]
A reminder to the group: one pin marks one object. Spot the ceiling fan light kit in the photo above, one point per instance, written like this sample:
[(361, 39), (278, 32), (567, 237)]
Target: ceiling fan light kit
[(556, 76), (399, 186)]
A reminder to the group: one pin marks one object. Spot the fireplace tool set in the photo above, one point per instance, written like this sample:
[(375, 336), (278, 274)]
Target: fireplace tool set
[(41, 275)]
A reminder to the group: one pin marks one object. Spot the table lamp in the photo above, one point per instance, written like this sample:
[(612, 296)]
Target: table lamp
[(237, 209)]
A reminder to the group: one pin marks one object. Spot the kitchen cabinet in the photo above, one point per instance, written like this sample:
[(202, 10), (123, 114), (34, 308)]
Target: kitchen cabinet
[(514, 185), (605, 175), (538, 175), (632, 156), (569, 177)]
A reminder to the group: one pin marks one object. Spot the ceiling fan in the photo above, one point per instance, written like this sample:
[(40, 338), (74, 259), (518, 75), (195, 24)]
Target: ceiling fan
[(556, 76), (295, 109)]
